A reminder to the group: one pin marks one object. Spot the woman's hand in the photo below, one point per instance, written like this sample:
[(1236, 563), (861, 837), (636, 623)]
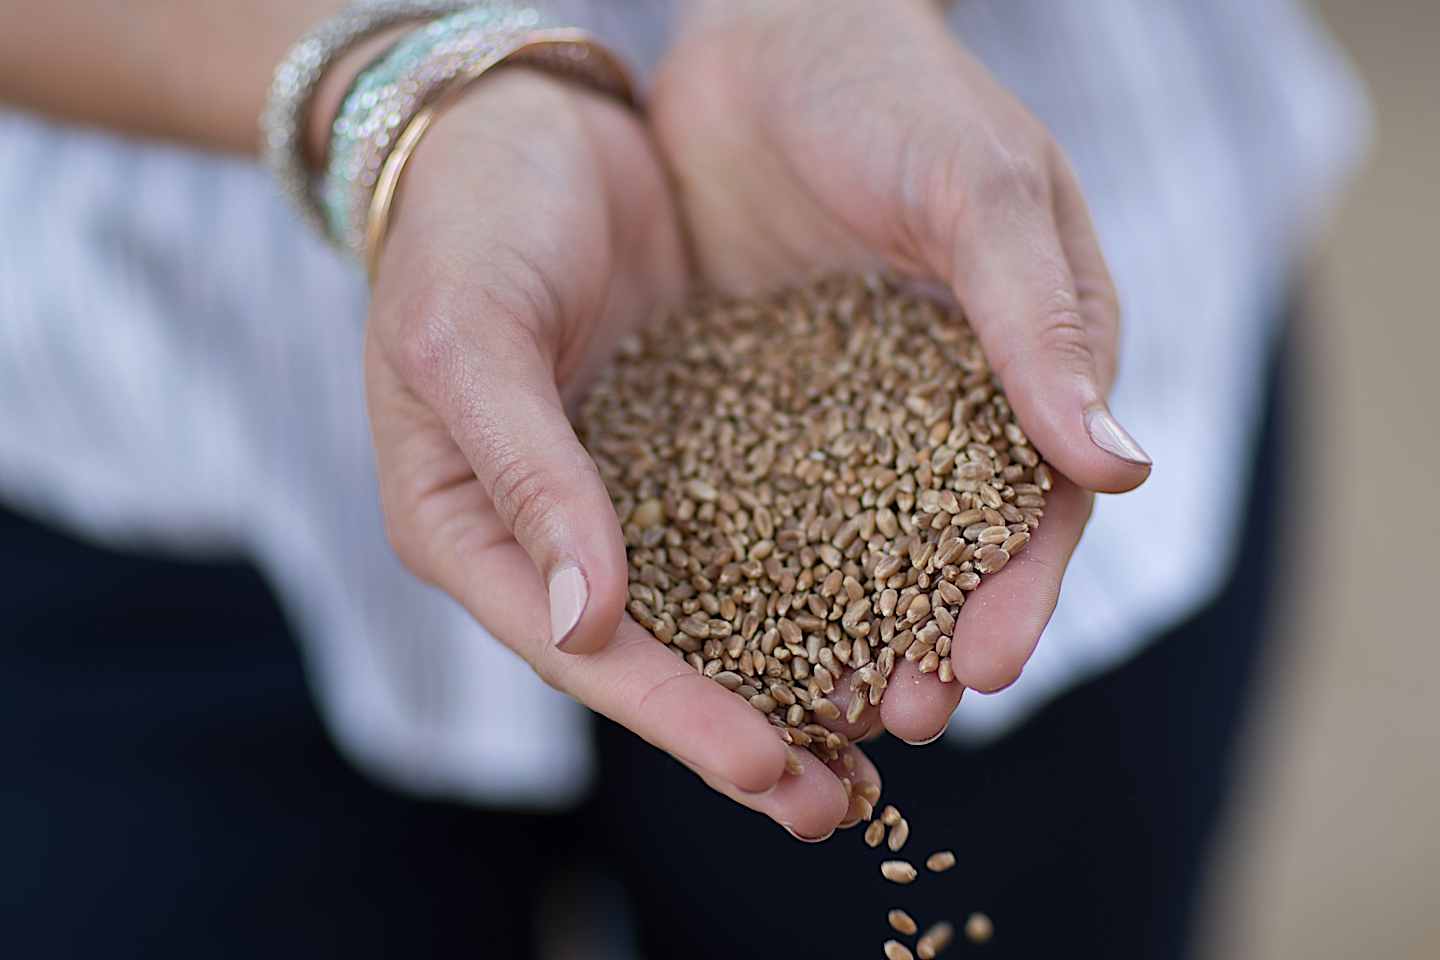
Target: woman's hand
[(534, 228), (812, 138)]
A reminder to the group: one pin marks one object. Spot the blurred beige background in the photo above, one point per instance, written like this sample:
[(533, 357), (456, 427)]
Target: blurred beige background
[(1333, 849)]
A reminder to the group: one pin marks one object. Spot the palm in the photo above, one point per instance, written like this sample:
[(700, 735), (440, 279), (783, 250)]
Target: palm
[(770, 200)]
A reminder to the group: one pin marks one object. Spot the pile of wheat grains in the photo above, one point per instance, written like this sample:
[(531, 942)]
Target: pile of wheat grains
[(809, 486)]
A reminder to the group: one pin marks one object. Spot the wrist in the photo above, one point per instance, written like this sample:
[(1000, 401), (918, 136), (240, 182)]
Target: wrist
[(497, 114)]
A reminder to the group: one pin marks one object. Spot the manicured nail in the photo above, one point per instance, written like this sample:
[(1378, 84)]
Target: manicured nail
[(1107, 434), (921, 743), (568, 594), (791, 830)]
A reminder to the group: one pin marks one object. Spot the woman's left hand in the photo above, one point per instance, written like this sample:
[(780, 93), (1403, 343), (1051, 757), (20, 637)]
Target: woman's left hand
[(859, 135)]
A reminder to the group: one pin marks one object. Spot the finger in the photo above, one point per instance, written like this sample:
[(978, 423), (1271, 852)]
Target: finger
[(1002, 620), (915, 708), (856, 725), (1004, 257), (639, 683), (918, 705), (635, 680), (810, 804), (865, 785), (493, 383)]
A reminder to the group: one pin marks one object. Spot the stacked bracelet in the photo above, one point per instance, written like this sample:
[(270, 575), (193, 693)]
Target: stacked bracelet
[(569, 53), (388, 92), (293, 87), (393, 102)]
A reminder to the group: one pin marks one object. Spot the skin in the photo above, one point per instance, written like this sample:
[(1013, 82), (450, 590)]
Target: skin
[(195, 71), (538, 223)]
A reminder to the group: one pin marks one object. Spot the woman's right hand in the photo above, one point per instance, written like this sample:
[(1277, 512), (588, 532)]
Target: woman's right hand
[(534, 228)]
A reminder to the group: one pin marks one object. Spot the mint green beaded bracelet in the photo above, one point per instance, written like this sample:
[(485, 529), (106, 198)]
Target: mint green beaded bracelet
[(387, 94)]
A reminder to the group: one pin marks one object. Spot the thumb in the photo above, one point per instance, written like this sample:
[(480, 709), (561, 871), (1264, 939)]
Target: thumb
[(507, 417), (1051, 342)]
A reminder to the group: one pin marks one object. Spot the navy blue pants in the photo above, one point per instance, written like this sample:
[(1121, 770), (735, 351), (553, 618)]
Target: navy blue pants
[(166, 790)]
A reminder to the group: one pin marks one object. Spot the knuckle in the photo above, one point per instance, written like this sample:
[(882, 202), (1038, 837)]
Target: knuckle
[(518, 289), (948, 188), (937, 205), (1066, 335), (514, 297), (524, 497), (1062, 337), (1011, 179), (426, 327)]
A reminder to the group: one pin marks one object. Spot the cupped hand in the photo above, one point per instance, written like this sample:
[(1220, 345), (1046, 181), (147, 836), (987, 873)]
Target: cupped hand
[(534, 229), (862, 135)]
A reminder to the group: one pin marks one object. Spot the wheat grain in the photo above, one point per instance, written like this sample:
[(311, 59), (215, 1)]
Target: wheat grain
[(934, 940), (940, 861), (978, 928), (899, 833), (895, 950), (898, 871)]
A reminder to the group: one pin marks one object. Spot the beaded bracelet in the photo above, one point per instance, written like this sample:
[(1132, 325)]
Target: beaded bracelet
[(299, 72), (569, 53), (411, 81), (387, 93)]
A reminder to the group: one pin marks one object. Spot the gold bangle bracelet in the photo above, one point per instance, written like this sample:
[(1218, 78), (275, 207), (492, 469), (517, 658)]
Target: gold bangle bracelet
[(570, 53), (378, 222)]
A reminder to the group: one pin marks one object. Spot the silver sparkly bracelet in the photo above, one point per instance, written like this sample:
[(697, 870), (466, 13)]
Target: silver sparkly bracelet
[(386, 95), (282, 125), (398, 98)]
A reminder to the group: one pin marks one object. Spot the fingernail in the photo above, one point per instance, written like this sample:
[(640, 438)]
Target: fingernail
[(1107, 434), (791, 830), (568, 595), (921, 743)]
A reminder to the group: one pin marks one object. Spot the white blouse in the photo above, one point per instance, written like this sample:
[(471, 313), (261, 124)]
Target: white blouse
[(180, 368)]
